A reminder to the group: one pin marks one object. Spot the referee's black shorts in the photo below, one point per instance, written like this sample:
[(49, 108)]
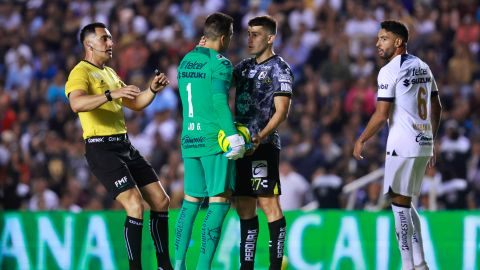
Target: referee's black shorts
[(258, 174), (117, 164)]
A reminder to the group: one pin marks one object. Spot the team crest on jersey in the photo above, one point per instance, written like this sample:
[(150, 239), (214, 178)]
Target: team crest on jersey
[(243, 102)]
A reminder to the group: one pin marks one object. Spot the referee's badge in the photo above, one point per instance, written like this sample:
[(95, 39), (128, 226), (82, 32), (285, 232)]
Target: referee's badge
[(259, 168)]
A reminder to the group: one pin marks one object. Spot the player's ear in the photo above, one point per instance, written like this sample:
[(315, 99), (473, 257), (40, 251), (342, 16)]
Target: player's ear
[(398, 42), (271, 39)]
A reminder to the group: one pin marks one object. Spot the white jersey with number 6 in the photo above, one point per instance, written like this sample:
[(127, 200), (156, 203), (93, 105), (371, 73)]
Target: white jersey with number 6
[(408, 82)]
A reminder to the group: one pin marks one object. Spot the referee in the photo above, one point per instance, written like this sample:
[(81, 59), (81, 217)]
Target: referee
[(97, 94)]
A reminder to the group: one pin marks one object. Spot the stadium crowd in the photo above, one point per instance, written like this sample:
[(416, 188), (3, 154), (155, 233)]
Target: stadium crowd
[(330, 45)]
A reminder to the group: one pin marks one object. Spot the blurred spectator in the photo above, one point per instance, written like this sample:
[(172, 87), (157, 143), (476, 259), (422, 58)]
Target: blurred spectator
[(326, 188), (43, 198), (295, 188)]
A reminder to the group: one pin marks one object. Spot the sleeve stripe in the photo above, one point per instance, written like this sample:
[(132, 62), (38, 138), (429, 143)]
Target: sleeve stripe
[(434, 93), (390, 99), (286, 94)]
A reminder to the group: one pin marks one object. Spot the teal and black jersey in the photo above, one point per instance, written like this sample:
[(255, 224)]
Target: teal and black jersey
[(204, 78), (257, 85)]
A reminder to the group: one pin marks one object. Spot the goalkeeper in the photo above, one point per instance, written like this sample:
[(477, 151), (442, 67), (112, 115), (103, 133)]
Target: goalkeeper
[(204, 78)]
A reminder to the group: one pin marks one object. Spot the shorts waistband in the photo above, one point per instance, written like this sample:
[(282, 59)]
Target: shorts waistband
[(107, 139)]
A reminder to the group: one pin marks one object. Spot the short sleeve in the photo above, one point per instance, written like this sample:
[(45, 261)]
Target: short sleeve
[(77, 80), (434, 85), (386, 86), (221, 75), (282, 80)]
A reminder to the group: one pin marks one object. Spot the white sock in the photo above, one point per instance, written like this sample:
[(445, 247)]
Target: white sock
[(417, 242), (404, 232)]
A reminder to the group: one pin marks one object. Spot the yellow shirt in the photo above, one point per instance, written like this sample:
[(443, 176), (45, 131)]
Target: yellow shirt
[(107, 119)]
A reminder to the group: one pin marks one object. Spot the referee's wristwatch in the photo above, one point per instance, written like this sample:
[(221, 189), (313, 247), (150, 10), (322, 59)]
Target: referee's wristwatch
[(108, 95)]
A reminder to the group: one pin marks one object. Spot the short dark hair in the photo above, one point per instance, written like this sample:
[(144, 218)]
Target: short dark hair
[(397, 28), (90, 29), (217, 25), (265, 21)]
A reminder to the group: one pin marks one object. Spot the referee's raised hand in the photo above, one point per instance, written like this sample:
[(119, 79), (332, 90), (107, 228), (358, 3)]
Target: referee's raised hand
[(159, 82)]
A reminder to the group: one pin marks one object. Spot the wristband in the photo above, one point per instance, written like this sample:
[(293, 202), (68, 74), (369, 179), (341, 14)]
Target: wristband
[(154, 92), (108, 95)]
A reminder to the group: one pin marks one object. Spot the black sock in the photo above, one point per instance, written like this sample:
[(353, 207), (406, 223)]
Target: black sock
[(159, 232), (133, 240), (277, 242), (248, 243)]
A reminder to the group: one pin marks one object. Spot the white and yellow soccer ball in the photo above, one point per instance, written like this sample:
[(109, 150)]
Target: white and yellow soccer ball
[(242, 131)]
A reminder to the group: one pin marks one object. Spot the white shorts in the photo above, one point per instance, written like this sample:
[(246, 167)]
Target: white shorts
[(404, 175)]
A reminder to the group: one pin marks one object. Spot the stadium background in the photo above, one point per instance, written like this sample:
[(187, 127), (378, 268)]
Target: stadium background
[(330, 47)]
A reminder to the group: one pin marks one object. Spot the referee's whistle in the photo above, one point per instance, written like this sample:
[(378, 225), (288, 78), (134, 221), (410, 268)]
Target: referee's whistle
[(157, 72)]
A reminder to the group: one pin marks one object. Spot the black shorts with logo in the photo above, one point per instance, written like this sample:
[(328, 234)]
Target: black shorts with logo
[(258, 174), (117, 164)]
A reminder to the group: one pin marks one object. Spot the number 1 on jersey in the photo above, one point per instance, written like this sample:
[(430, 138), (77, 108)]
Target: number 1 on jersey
[(190, 105)]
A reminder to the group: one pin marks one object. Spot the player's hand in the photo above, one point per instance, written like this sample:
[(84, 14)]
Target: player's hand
[(159, 82), (129, 92), (236, 149), (357, 150), (251, 147)]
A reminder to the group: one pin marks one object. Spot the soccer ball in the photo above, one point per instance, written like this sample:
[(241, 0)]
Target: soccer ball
[(242, 131)]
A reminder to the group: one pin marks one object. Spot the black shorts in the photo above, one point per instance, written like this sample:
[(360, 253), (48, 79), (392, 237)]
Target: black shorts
[(258, 174), (117, 164)]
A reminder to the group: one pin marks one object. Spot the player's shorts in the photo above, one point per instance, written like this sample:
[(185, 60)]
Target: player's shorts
[(117, 164), (258, 174), (404, 175), (208, 176)]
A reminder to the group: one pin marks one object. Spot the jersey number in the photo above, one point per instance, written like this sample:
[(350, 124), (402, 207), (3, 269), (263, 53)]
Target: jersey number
[(422, 103), (190, 105)]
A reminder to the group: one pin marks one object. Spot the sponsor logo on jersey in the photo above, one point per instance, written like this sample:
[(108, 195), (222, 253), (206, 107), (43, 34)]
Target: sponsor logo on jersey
[(406, 82), (192, 65), (193, 142), (95, 140), (262, 75), (259, 168), (383, 86), (284, 78), (191, 74), (418, 71), (424, 139), (421, 80)]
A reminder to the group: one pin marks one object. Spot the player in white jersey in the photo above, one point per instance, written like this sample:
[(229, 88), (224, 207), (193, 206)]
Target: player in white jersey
[(408, 99)]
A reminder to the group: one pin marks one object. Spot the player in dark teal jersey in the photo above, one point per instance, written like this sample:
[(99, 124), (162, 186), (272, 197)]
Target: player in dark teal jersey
[(204, 78), (263, 93)]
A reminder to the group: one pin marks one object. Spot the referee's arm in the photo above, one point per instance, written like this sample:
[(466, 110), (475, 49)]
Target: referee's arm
[(80, 101)]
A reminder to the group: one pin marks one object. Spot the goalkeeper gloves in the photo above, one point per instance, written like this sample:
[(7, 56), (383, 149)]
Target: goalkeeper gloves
[(236, 148)]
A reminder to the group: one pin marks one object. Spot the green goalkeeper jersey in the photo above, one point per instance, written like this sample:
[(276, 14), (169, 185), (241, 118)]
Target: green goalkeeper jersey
[(204, 78)]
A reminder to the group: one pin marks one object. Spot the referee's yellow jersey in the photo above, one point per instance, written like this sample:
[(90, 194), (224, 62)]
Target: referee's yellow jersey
[(107, 119)]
